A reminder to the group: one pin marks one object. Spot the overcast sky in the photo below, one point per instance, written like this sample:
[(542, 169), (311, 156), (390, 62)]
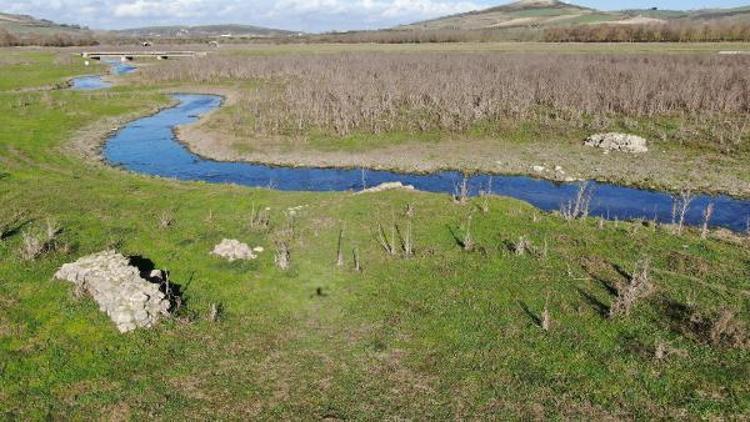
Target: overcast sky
[(303, 15)]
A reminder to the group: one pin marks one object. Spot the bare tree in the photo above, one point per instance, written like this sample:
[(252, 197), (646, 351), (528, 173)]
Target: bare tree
[(638, 287)]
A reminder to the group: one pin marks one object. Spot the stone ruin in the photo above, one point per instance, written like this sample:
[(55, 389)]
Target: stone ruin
[(618, 142), (234, 250), (118, 288)]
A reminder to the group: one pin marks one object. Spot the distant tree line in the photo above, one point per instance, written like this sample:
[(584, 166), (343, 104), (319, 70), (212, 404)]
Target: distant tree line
[(424, 36), (668, 32), (59, 39)]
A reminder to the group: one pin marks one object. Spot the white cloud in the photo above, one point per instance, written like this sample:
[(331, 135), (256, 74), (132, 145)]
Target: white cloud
[(159, 9), (306, 15), (426, 8)]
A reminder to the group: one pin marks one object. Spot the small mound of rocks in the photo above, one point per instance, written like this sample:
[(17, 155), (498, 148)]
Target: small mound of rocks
[(129, 300), (618, 142), (234, 250), (385, 187)]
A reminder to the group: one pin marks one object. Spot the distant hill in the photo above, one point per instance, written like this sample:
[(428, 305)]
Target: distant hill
[(206, 31), (554, 13), (24, 25), (737, 14), (524, 13)]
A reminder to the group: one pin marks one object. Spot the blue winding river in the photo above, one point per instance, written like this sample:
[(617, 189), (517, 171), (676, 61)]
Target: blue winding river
[(149, 146), (95, 82)]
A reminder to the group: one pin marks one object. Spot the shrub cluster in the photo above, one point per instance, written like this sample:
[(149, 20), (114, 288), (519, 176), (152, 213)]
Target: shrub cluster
[(668, 32), (59, 39), (423, 36), (380, 92)]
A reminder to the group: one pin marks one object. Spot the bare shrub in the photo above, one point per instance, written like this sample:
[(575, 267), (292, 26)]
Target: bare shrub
[(409, 212), (340, 250), (260, 218), (36, 242), (400, 238), (406, 240), (638, 287), (484, 206), (283, 256), (680, 207), (546, 320), (707, 214), (578, 207), (661, 350), (52, 230), (720, 326), (461, 191), (165, 220), (467, 242), (282, 240), (484, 199), (215, 312), (388, 243), (522, 246), (32, 245), (357, 262)]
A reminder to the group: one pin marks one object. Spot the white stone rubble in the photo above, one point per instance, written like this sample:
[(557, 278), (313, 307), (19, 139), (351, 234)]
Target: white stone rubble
[(234, 250), (129, 300), (618, 142), (386, 186)]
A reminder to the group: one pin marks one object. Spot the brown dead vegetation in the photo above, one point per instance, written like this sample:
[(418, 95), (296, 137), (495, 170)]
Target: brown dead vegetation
[(379, 93), (60, 39), (665, 32)]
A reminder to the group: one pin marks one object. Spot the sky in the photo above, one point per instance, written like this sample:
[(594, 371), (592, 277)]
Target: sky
[(298, 15)]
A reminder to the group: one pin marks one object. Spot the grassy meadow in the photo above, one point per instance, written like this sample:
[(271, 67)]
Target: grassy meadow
[(499, 311)]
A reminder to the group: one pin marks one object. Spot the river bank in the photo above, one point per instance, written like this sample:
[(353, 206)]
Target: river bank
[(561, 162), (148, 145)]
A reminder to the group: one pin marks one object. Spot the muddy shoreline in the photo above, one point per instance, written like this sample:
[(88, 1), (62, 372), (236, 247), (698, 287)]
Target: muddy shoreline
[(575, 163)]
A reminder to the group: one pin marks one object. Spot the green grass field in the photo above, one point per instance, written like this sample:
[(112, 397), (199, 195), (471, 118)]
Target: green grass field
[(446, 334)]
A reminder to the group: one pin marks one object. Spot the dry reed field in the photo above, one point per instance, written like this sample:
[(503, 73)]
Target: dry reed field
[(375, 93)]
